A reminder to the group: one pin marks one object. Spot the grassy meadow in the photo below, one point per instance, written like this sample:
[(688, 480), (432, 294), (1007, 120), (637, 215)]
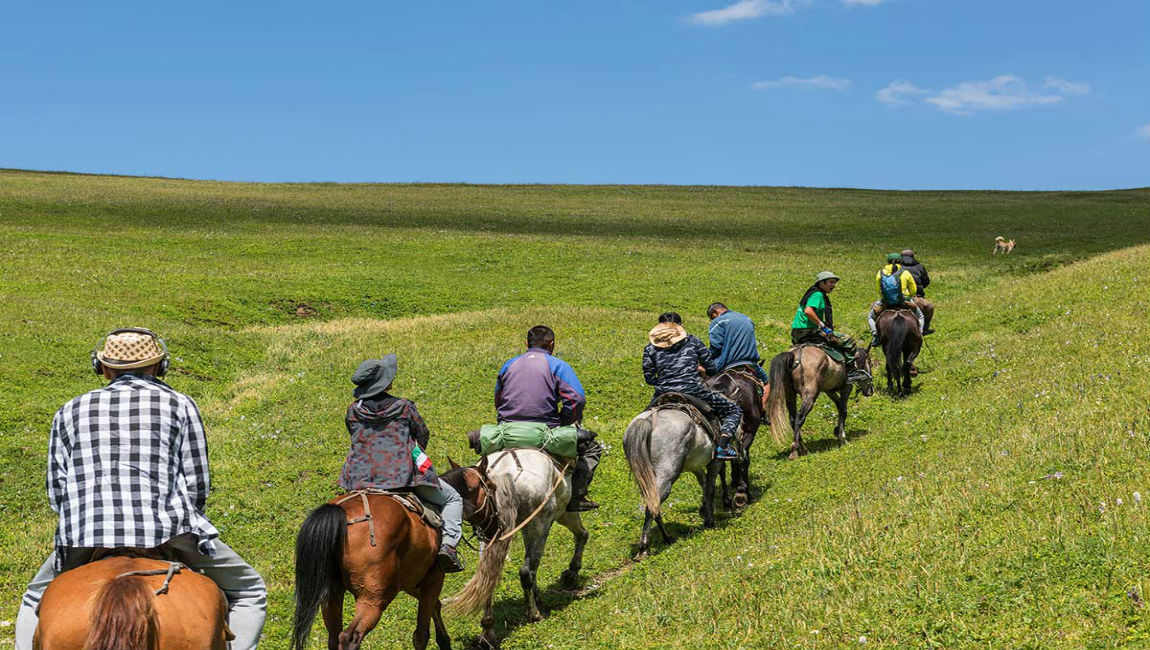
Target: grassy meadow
[(1003, 505)]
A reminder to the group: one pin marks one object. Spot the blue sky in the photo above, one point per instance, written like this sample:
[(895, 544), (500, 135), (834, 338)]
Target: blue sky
[(862, 93)]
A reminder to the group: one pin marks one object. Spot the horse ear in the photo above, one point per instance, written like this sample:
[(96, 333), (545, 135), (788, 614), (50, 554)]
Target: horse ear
[(450, 461), (482, 466)]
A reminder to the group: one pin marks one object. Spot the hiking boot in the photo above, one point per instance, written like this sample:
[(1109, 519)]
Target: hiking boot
[(929, 330), (856, 375), (448, 560), (581, 504), (726, 453)]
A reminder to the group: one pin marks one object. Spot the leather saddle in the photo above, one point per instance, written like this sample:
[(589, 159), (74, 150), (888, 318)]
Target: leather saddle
[(425, 511), (697, 409)]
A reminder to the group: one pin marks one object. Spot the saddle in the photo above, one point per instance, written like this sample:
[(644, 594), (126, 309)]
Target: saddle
[(693, 407), (426, 512), (830, 351)]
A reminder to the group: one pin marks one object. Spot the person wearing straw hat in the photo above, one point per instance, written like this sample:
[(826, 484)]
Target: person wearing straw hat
[(671, 363), (388, 439), (155, 500), (814, 323)]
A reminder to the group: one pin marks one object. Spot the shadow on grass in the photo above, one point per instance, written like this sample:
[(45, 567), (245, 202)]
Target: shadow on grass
[(823, 444), (511, 613)]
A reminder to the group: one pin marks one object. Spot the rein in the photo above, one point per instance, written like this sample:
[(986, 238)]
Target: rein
[(173, 569), (488, 504)]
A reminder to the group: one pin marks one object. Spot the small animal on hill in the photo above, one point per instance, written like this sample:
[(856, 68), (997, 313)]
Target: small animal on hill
[(1002, 245)]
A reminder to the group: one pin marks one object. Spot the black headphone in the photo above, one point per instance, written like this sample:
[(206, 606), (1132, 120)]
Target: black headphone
[(98, 367)]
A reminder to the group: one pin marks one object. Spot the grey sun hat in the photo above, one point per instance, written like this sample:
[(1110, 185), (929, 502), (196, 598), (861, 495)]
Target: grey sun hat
[(373, 376), (826, 275)]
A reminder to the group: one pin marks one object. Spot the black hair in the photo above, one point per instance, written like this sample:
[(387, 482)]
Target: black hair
[(539, 336), (670, 317), (714, 307)]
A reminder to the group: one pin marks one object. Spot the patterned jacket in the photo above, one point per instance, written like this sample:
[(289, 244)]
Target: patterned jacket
[(677, 367), (384, 431)]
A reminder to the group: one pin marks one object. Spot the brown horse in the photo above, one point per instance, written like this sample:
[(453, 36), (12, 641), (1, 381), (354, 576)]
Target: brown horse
[(121, 602), (340, 548), (806, 371), (901, 342), (740, 385)]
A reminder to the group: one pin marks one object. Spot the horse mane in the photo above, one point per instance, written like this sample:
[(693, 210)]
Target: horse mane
[(123, 616)]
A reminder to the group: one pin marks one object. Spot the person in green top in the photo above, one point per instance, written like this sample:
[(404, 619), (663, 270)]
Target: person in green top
[(814, 322)]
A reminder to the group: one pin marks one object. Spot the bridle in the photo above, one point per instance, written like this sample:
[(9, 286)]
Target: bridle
[(484, 518)]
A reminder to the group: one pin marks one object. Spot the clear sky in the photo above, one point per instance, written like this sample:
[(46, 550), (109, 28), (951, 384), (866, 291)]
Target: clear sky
[(863, 93)]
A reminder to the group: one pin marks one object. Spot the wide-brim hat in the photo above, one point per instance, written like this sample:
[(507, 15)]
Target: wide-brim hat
[(373, 376), (826, 275), (128, 350), (664, 335)]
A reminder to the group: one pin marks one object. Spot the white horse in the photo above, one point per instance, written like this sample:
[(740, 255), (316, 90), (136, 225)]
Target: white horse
[(661, 444), (528, 488)]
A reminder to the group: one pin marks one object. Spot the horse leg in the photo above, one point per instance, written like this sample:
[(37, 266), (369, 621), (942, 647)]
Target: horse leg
[(707, 483), (428, 601), (797, 446), (333, 618), (368, 609), (571, 520), (534, 539), (442, 638), (488, 639), (727, 502), (665, 484), (840, 400), (645, 537)]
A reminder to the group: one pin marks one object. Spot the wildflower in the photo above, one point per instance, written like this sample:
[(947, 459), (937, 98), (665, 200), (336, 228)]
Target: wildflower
[(1118, 501), (1102, 507), (862, 640), (1137, 498)]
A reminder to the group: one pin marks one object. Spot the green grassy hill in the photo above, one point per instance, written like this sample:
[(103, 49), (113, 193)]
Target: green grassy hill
[(969, 515)]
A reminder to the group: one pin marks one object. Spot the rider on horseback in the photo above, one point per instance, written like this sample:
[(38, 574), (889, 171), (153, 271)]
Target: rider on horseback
[(896, 289), (671, 363), (921, 281), (128, 468), (538, 387), (732, 340), (388, 438), (814, 323)]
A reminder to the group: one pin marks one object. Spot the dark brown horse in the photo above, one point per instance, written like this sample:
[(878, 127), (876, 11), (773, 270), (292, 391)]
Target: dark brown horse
[(340, 548), (740, 385), (805, 371), (901, 342), (113, 603)]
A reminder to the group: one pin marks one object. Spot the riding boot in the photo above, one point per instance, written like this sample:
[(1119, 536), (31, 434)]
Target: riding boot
[(448, 560), (589, 454)]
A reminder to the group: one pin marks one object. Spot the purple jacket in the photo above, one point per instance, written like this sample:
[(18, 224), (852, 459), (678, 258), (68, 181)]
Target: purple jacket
[(537, 387)]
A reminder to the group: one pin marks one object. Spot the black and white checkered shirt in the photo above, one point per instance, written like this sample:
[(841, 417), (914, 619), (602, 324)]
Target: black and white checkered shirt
[(128, 467)]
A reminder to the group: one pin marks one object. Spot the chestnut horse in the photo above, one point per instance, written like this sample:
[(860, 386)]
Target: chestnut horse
[(805, 371), (339, 548), (132, 603), (901, 342)]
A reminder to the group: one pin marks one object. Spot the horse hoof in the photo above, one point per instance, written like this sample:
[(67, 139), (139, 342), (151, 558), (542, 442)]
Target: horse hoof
[(535, 617), (640, 556), (488, 642), (569, 579), (793, 455), (740, 500)]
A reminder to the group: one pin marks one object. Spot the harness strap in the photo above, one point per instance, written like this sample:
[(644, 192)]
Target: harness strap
[(173, 569), (362, 494)]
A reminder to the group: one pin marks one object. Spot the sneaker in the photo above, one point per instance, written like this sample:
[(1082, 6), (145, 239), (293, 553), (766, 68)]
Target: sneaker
[(448, 560), (726, 453), (581, 504)]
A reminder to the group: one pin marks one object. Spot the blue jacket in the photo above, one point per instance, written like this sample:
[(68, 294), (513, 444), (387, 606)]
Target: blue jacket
[(732, 338), (537, 387)]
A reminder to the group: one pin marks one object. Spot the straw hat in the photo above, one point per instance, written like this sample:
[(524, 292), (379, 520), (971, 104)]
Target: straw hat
[(664, 335), (131, 348)]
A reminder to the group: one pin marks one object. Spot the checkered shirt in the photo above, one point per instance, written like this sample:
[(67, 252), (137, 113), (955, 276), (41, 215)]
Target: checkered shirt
[(128, 467)]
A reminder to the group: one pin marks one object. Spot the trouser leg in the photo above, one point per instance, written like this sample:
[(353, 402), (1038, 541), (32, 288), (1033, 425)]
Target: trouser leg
[(728, 411), (921, 318), (927, 310), (451, 509), (27, 618), (589, 452), (242, 586), (874, 311)]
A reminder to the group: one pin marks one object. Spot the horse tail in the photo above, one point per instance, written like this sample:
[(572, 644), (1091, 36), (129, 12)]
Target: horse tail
[(637, 449), (781, 367), (123, 616), (895, 339), (478, 591), (318, 569)]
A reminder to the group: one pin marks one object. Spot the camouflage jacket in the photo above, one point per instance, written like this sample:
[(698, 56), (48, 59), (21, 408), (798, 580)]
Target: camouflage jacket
[(677, 367), (384, 431)]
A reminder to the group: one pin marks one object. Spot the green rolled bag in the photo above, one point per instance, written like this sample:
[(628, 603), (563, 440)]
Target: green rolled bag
[(560, 441)]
